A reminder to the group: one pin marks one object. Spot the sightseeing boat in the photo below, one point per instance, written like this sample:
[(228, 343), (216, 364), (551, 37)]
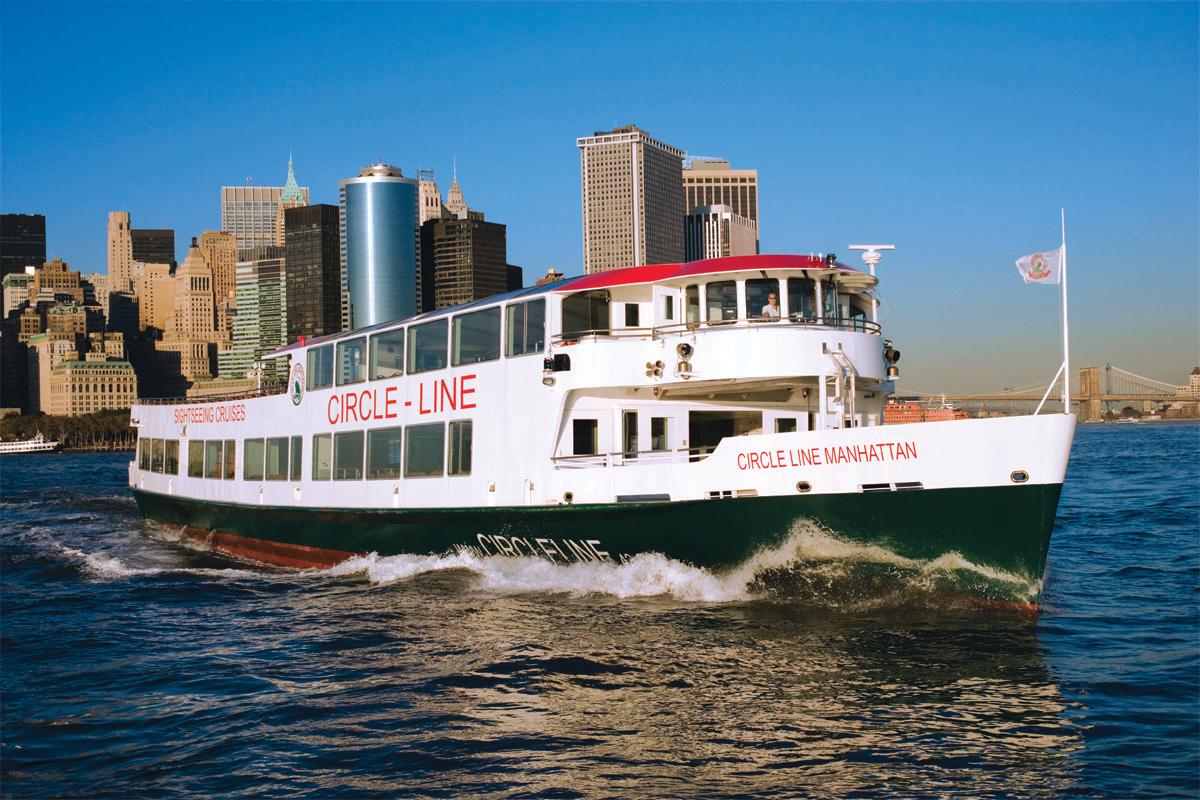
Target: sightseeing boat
[(709, 411), (36, 444)]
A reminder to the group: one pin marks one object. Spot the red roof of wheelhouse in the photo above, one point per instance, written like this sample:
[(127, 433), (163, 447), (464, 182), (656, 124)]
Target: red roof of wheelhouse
[(659, 272)]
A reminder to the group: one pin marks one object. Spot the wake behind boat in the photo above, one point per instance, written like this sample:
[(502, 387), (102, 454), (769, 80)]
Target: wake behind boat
[(706, 411)]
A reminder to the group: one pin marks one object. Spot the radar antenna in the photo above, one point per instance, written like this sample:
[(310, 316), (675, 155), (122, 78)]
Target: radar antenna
[(871, 254)]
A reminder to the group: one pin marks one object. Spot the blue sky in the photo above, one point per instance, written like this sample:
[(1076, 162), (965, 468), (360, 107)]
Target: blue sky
[(956, 131)]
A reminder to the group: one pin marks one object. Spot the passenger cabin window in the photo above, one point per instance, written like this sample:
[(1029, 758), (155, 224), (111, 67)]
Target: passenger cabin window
[(213, 463), (351, 366), (762, 299), (802, 299), (460, 447), (584, 437), (476, 337), (171, 459), (252, 459), (585, 313), (785, 425), (158, 455), (720, 302), (348, 456), (659, 428), (383, 453), (230, 459), (297, 455), (320, 367), (425, 450), (427, 346), (692, 299), (144, 454), (631, 315), (322, 456), (195, 459), (629, 433), (387, 355), (277, 458), (526, 328)]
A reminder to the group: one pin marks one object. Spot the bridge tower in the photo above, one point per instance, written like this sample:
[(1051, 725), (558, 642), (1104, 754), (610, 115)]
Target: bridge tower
[(1089, 394)]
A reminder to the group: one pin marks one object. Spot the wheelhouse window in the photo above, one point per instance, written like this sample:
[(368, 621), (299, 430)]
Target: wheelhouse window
[(351, 364), (348, 456), (195, 459), (720, 302), (526, 328), (427, 346), (213, 464), (383, 453), (692, 301), (669, 307), (762, 299), (320, 367), (171, 457), (476, 337), (322, 456), (252, 459), (829, 300), (425, 450), (585, 313), (802, 299), (387, 355), (585, 440), (631, 315), (460, 447)]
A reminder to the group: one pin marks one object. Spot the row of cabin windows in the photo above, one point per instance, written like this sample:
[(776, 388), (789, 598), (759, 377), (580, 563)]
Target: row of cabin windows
[(585, 435), (415, 451), (418, 451), (470, 338)]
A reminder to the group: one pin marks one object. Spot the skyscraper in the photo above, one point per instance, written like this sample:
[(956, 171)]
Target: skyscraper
[(431, 198), (251, 213), (463, 257), (716, 232), (220, 254), (153, 245), (632, 199), (292, 196), (120, 252), (712, 182), (260, 325), (314, 271), (22, 242), (380, 215), (191, 327)]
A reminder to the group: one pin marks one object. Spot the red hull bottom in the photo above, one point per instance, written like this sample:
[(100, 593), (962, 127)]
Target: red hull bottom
[(279, 554)]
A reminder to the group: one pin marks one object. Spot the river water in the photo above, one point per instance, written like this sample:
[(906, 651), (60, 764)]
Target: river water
[(134, 665)]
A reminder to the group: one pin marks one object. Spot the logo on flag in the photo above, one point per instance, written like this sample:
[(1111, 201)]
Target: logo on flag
[(1041, 267)]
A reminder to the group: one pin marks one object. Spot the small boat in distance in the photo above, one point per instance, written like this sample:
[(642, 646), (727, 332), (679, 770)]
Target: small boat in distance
[(38, 444)]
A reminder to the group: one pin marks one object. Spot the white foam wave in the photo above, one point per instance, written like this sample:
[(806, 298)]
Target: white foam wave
[(654, 575), (106, 566)]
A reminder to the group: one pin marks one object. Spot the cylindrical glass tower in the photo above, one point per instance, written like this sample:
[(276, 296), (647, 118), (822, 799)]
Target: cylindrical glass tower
[(380, 229)]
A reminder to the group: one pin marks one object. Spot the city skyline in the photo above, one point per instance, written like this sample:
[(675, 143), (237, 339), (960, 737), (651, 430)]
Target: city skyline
[(960, 156)]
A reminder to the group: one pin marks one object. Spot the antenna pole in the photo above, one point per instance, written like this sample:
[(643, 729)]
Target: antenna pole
[(1066, 391)]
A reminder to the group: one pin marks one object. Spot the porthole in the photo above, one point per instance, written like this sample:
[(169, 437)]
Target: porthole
[(803, 487), (1019, 476)]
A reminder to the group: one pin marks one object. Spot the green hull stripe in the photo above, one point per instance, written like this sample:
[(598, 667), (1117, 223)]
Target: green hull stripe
[(1003, 527)]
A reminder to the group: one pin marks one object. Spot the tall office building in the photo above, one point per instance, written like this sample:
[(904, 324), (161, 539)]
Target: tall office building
[(120, 252), (292, 196), (380, 216), (191, 329), (716, 232), (462, 259), (260, 324), (314, 271), (22, 242), (713, 182), (220, 254), (632, 200), (154, 289), (153, 245), (431, 198), (251, 213)]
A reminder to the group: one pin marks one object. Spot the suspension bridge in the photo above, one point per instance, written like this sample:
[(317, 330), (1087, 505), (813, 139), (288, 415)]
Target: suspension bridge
[(1094, 390)]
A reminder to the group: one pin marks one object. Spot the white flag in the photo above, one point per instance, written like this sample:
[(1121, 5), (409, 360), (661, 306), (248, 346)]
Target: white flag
[(1041, 267)]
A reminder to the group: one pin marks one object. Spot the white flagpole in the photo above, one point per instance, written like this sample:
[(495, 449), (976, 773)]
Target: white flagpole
[(1066, 389)]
